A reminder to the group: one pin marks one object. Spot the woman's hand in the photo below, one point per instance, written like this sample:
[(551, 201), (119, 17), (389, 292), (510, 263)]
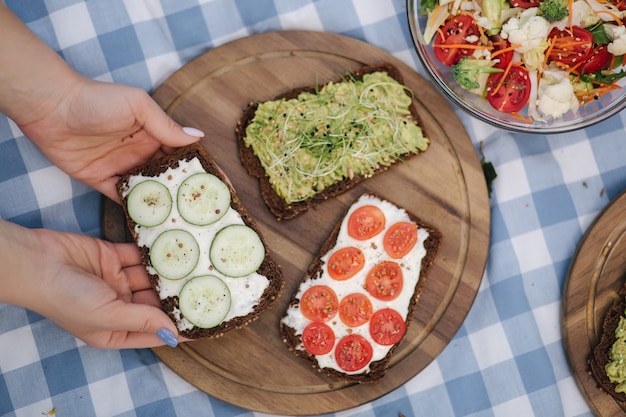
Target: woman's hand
[(96, 290), (99, 131)]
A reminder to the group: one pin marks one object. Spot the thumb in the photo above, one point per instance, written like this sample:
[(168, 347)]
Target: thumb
[(165, 130), (144, 325)]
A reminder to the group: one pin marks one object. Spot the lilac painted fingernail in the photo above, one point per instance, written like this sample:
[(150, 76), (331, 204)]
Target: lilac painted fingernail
[(192, 131), (167, 337)]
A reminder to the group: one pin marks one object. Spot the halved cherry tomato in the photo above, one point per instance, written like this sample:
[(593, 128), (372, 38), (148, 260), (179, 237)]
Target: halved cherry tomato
[(400, 239), (353, 352), (318, 338), (366, 222), (513, 94), (355, 309), (319, 303), (387, 327), (503, 58), (345, 263), (457, 31), (524, 4), (598, 59), (384, 281), (570, 48)]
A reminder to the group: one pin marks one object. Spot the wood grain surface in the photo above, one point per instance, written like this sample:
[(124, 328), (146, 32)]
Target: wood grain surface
[(596, 274), (445, 187)]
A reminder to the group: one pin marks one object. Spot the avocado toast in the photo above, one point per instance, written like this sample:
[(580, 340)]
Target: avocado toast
[(316, 142)]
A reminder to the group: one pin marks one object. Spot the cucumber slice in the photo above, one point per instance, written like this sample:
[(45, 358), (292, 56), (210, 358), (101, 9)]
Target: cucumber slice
[(174, 254), (203, 199), (149, 203), (204, 301), (237, 251)]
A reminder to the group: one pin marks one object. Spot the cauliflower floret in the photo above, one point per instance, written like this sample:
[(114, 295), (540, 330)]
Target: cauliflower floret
[(617, 34), (556, 94), (530, 32)]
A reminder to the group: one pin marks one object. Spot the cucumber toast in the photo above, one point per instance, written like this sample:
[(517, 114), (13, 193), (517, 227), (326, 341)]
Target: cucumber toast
[(202, 250)]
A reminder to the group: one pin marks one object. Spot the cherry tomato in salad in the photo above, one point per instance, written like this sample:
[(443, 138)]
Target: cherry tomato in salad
[(353, 352), (385, 280), (599, 59), (387, 327), (523, 4), (355, 309), (570, 47), (400, 239), (318, 338), (319, 303), (457, 31), (510, 94), (501, 59), (345, 263), (366, 222)]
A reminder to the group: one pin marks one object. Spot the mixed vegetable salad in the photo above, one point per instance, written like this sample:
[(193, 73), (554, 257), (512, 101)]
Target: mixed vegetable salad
[(550, 55)]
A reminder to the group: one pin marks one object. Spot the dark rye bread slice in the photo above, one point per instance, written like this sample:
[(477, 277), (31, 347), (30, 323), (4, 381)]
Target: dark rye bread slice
[(314, 271), (268, 268), (601, 354), (277, 205)]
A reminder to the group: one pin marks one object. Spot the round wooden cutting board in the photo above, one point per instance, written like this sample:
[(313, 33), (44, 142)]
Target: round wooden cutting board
[(445, 187), (596, 274)]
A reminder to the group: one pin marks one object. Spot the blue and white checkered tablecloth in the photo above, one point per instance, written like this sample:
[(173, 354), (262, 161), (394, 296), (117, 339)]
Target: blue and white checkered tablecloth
[(506, 360)]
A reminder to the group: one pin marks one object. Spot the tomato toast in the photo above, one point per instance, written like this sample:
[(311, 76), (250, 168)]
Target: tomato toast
[(202, 250), (316, 142), (359, 294)]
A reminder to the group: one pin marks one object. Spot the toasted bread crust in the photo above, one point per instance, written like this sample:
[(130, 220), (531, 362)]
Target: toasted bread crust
[(377, 368), (601, 354), (277, 205), (268, 268)]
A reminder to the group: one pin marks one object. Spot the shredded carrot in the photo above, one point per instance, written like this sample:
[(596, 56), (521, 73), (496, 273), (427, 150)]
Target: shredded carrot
[(574, 69), (522, 118), (594, 94), (481, 30), (440, 32), (613, 15), (463, 46), (612, 63), (501, 80), (548, 51), (563, 43), (504, 50), (483, 36), (570, 9)]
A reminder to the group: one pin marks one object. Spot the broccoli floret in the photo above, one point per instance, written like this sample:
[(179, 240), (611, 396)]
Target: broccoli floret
[(428, 6), (492, 10), (553, 10), (467, 71)]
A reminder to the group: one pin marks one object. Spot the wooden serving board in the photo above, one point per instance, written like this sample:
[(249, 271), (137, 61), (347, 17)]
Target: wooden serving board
[(596, 274), (445, 187)]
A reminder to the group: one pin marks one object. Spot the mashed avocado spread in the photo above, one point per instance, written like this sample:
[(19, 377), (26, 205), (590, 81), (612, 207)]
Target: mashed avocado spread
[(616, 369), (344, 129)]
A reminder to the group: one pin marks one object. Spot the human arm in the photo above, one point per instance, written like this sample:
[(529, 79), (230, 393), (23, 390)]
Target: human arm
[(93, 131)]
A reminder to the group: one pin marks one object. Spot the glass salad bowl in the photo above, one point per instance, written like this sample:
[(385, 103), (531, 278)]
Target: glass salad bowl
[(587, 114)]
